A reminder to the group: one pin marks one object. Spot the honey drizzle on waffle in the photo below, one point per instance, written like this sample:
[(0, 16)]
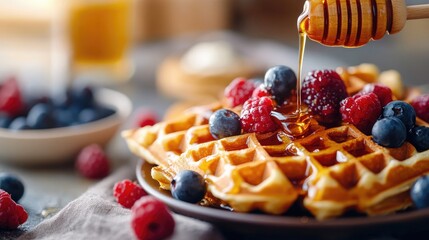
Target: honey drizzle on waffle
[(296, 123)]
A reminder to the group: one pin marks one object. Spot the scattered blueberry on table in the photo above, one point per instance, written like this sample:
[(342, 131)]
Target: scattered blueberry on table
[(12, 185)]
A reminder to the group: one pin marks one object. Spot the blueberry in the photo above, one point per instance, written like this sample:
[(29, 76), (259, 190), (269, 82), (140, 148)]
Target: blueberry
[(402, 110), (280, 81), (104, 112), (74, 109), (5, 121), (93, 114), (34, 100), (83, 96), (419, 137), (389, 132), (40, 117), (19, 123), (88, 115), (224, 123), (188, 186), (420, 192), (12, 184), (64, 117), (63, 101)]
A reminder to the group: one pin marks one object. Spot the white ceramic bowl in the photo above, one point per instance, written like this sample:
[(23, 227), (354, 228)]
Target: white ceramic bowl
[(61, 145)]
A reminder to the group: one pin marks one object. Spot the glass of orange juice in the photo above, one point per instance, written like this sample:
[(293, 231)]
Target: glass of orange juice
[(99, 38)]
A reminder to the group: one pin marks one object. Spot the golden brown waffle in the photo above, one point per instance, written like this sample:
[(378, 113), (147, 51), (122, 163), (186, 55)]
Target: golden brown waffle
[(333, 170), (350, 171)]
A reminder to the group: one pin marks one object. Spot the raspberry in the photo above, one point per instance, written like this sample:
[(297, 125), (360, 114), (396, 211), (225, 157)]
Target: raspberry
[(322, 91), (151, 220), (261, 91), (92, 162), (11, 214), (421, 105), (256, 115), (238, 91), (383, 92), (10, 98), (145, 117), (361, 111), (127, 193)]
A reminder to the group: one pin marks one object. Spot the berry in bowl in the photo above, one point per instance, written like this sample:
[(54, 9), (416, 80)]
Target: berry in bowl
[(42, 130)]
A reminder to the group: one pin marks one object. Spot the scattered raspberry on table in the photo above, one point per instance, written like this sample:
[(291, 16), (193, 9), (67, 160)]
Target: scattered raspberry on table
[(151, 219), (92, 162), (11, 214), (127, 192)]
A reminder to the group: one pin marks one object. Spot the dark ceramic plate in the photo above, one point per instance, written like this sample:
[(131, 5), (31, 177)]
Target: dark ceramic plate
[(407, 225)]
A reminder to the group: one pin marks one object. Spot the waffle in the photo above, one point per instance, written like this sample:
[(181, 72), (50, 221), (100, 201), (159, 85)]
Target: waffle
[(331, 170)]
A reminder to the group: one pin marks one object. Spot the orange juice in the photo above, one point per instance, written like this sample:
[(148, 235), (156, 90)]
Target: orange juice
[(99, 30)]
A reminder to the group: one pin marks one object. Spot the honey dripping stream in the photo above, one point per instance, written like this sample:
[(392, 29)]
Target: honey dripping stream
[(294, 118)]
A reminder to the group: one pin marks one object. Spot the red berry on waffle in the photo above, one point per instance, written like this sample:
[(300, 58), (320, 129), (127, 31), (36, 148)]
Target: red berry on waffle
[(322, 91), (383, 92), (256, 115), (261, 91), (361, 111), (238, 91), (421, 106)]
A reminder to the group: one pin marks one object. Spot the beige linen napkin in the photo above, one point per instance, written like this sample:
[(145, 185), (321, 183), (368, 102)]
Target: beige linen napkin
[(96, 215)]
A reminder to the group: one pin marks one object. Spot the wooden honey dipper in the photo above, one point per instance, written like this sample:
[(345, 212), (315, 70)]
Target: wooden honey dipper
[(353, 23)]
